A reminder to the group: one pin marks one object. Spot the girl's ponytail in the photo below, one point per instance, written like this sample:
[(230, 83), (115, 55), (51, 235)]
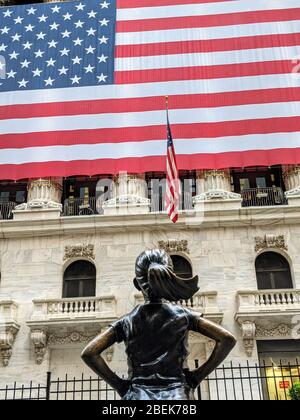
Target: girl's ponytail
[(154, 271)]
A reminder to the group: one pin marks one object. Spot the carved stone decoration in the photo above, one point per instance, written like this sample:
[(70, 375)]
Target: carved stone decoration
[(217, 195), (270, 241), (7, 339), (77, 251), (73, 337), (281, 330), (214, 185), (39, 341), (43, 194), (174, 246), (248, 334), (129, 195)]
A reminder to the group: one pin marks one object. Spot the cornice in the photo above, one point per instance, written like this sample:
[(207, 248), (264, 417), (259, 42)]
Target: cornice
[(191, 220)]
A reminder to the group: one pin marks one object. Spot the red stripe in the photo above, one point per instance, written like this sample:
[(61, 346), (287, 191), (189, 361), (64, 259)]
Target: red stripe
[(149, 164), (207, 21), (155, 103), (210, 45), (204, 72), (121, 135), (128, 4)]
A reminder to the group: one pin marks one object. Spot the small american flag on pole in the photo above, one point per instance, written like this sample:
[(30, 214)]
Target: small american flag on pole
[(173, 190)]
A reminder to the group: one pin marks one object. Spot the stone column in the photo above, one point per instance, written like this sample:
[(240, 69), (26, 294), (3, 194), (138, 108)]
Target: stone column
[(291, 176), (214, 190), (43, 200), (129, 196)]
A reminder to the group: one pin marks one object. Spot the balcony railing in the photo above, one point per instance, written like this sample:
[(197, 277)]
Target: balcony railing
[(81, 207), (254, 197), (262, 301), (6, 210), (90, 308)]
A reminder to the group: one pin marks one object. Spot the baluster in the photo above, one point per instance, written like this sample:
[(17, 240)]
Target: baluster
[(262, 299), (82, 306), (265, 298), (272, 299), (97, 305), (60, 307)]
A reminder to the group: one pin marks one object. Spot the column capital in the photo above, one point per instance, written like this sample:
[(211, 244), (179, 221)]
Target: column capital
[(291, 176), (129, 195), (213, 187), (43, 200)]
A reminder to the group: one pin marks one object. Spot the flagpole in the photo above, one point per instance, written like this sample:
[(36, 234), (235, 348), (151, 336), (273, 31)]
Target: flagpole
[(167, 106)]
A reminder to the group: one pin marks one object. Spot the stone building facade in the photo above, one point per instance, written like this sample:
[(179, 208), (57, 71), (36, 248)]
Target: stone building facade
[(221, 241), (226, 234)]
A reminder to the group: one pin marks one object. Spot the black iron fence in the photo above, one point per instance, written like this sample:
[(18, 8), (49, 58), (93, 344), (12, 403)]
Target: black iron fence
[(229, 382), (6, 210), (256, 197)]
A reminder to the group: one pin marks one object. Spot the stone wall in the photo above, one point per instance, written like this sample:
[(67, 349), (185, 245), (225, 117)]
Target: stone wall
[(32, 267)]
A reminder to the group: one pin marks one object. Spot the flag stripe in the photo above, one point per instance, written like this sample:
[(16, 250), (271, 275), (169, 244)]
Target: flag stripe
[(209, 20), (204, 72), (149, 164), (125, 4), (202, 34), (200, 9), (144, 149), (216, 59), (205, 46), (154, 103), (149, 118), (139, 134)]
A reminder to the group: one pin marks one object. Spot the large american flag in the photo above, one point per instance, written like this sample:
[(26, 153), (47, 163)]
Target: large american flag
[(82, 85)]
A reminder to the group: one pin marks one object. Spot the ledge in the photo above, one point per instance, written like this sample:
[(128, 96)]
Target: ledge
[(85, 313), (268, 306), (250, 216)]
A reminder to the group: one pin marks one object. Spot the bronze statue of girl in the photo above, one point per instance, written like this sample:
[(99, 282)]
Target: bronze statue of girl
[(156, 334)]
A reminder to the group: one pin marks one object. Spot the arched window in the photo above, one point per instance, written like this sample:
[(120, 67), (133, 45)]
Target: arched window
[(80, 280), (273, 272), (182, 267)]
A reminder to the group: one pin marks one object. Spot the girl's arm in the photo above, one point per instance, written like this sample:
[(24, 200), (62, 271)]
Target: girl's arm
[(225, 342), (91, 355)]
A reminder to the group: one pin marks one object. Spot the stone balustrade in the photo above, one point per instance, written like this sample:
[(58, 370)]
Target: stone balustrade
[(49, 310), (263, 314), (268, 300), (205, 302)]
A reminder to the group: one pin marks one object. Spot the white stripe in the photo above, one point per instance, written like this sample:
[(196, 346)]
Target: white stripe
[(207, 59), (145, 119), (203, 9), (149, 148), (202, 34), (181, 87)]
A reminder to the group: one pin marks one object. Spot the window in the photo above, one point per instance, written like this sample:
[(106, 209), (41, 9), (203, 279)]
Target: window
[(80, 280), (273, 272), (182, 267), (279, 360)]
